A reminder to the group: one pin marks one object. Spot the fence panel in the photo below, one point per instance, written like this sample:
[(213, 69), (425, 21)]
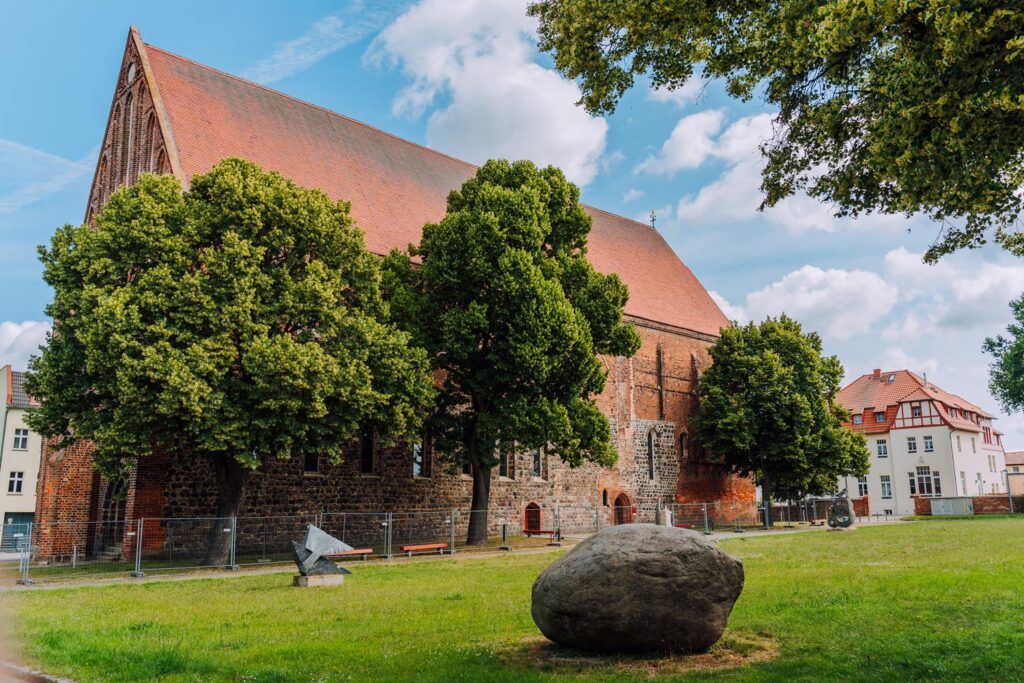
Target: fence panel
[(361, 530), (15, 551), (82, 550)]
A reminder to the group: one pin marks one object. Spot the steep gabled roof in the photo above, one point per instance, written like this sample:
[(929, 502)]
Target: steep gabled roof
[(395, 186), (879, 390)]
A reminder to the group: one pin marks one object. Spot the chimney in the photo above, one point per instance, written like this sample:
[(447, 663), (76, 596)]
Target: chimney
[(878, 373)]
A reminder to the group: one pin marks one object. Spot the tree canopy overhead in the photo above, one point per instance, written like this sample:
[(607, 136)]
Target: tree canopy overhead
[(767, 407), (894, 106), (240, 319), (513, 315)]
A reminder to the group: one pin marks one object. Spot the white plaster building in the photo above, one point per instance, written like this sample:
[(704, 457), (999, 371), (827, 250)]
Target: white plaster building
[(923, 441), (20, 450)]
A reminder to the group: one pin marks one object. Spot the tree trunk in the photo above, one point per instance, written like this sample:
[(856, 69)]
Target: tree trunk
[(230, 476), (767, 488), (478, 509)]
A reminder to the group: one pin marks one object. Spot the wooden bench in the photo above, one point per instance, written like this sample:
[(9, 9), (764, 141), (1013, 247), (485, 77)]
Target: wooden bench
[(362, 553), (540, 532), (424, 547)]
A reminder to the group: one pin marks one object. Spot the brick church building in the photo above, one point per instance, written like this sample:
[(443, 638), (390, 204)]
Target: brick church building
[(172, 115)]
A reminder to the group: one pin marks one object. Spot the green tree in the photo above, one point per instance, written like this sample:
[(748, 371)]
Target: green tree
[(768, 409), (1006, 373), (240, 319), (893, 106), (512, 315)]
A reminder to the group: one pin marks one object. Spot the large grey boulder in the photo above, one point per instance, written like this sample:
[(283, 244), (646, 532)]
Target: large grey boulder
[(636, 588)]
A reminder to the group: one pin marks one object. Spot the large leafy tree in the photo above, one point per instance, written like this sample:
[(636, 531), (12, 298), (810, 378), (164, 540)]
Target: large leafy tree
[(513, 317), (894, 106), (1006, 373), (767, 408), (240, 319)]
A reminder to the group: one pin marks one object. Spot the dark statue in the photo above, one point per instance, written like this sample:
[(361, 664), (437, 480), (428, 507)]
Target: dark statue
[(840, 515)]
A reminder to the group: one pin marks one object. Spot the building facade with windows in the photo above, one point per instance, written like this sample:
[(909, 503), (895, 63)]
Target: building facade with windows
[(923, 441), (174, 116), (1015, 472), (20, 448)]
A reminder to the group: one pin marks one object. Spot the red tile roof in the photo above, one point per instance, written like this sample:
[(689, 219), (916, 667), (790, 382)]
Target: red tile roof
[(395, 186), (1015, 457), (884, 390)]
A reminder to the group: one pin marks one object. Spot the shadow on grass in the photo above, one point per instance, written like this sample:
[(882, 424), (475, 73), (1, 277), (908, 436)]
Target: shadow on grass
[(735, 649)]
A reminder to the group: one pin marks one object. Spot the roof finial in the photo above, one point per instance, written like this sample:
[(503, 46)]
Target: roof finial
[(654, 217)]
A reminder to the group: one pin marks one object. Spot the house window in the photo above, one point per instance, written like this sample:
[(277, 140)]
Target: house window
[(879, 416), (367, 452), (911, 444), (862, 487), (913, 486), (421, 459), (929, 445), (981, 483), (886, 486), (604, 497), (974, 445), (858, 419), (15, 482), (924, 481), (310, 462), (537, 461), (650, 455), (958, 449), (963, 481), (915, 411), (936, 482), (684, 452), (882, 448), (20, 440)]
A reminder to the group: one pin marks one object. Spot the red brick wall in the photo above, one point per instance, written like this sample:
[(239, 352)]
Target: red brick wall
[(983, 505), (861, 506)]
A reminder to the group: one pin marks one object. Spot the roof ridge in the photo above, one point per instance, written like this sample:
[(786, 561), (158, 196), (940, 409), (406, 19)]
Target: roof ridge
[(363, 124)]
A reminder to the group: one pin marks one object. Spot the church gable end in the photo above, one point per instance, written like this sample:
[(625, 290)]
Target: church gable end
[(134, 142)]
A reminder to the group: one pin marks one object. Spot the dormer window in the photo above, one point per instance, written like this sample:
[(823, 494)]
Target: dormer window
[(858, 419), (915, 411), (879, 416)]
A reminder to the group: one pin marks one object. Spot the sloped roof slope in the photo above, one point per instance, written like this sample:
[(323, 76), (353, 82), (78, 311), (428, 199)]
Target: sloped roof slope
[(395, 186)]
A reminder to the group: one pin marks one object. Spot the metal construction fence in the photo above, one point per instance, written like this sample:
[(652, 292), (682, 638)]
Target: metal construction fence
[(41, 552)]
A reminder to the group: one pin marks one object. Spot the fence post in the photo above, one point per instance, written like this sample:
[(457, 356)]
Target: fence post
[(504, 536), (706, 529), (387, 535), (232, 564), (26, 556), (556, 537), (451, 533), (138, 548)]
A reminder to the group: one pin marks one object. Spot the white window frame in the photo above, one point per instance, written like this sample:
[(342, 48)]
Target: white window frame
[(16, 482), (886, 481), (929, 444), (882, 448), (911, 444), (20, 439), (862, 486)]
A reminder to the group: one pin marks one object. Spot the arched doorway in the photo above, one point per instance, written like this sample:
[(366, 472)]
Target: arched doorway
[(623, 509), (532, 521)]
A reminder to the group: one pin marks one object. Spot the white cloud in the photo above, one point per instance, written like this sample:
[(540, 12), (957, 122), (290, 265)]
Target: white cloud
[(18, 341), (28, 175), (839, 304), (324, 37), (632, 194), (895, 358), (688, 93), (734, 313), (690, 143), (480, 55)]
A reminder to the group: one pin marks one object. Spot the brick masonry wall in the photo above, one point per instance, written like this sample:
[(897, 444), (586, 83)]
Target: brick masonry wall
[(983, 505)]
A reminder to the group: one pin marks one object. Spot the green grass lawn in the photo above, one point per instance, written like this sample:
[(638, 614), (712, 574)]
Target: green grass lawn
[(907, 602)]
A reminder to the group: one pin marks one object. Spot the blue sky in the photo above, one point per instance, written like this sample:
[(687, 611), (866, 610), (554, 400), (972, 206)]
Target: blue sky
[(464, 76)]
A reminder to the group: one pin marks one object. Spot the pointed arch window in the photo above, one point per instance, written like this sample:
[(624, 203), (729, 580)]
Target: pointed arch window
[(128, 132), (148, 143)]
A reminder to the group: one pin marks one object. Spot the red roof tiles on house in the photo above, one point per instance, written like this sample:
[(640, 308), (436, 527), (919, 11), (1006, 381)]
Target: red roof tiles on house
[(1015, 457), (884, 390), (395, 186)]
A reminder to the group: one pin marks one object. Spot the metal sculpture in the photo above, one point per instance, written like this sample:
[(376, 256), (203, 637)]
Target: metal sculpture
[(311, 554), (840, 515)]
